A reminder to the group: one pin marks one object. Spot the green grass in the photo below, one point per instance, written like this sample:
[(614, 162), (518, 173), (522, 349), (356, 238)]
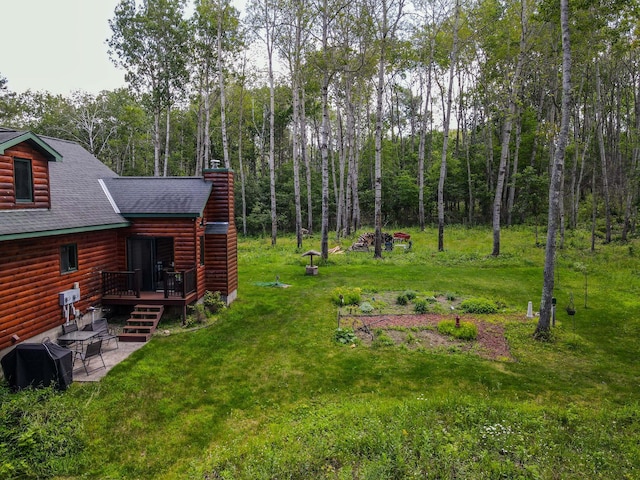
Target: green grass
[(267, 392)]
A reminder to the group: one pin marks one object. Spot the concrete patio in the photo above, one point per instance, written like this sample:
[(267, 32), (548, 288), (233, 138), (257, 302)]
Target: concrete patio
[(111, 355)]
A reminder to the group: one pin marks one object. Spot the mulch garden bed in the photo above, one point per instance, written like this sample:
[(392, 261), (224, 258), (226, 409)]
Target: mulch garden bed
[(420, 331)]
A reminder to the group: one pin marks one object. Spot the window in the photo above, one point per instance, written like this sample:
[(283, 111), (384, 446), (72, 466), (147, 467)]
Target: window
[(23, 180), (201, 250), (69, 258)]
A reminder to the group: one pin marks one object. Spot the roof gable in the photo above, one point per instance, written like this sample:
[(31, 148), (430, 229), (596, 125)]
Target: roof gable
[(78, 202), (159, 196), (11, 138)]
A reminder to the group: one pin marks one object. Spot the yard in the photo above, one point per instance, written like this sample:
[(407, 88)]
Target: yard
[(266, 391)]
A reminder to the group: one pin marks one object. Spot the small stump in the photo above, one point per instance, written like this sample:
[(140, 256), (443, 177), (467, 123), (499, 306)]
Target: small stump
[(312, 269)]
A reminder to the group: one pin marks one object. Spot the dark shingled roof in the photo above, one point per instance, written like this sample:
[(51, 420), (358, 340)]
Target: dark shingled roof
[(78, 201), (164, 196)]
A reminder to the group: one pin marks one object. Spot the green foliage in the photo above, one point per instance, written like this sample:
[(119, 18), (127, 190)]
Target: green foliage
[(381, 339), (410, 294), (466, 330), (479, 305), (345, 336), (350, 296), (198, 315), (421, 306), (402, 299), (213, 301), (39, 433), (366, 307)]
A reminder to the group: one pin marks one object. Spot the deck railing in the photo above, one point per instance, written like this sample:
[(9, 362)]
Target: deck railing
[(179, 284), (123, 284), (129, 284)]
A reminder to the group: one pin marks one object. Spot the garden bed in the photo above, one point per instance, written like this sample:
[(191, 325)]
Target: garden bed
[(420, 331)]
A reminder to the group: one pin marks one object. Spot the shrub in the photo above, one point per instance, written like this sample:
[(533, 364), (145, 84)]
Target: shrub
[(466, 330), (410, 294), (39, 433), (479, 305), (213, 301), (421, 306), (345, 336), (350, 296), (382, 340), (366, 307), (402, 299), (197, 316)]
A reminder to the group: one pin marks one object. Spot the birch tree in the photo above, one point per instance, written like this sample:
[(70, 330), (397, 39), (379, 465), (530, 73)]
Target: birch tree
[(445, 127), (264, 16), (555, 188), (150, 41)]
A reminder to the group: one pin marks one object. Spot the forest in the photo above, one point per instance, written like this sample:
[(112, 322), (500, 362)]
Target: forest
[(337, 114)]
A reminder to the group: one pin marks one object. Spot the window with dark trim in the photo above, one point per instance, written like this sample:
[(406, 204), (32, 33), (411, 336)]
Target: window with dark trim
[(68, 258), (201, 250), (23, 180)]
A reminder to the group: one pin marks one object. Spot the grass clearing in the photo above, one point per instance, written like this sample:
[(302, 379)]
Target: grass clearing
[(267, 392)]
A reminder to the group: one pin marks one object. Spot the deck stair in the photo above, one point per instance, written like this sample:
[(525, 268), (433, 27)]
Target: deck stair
[(141, 324)]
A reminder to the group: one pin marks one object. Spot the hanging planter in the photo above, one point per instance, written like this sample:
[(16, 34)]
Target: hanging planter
[(571, 309)]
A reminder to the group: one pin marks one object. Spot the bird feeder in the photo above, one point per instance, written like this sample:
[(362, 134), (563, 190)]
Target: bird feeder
[(311, 268)]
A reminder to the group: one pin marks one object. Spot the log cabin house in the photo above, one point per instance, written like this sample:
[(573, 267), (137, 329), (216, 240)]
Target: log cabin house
[(74, 235)]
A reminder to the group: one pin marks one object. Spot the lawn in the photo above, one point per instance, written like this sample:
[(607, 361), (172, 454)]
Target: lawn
[(266, 392)]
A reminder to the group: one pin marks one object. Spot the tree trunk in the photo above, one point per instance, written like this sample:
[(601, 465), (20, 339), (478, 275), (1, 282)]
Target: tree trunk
[(240, 156), (506, 132), (378, 139), (167, 141), (544, 323), (156, 142), (223, 99), (324, 136), (445, 133), (603, 155), (272, 146)]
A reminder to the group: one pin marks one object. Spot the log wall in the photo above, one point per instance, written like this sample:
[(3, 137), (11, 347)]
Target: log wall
[(221, 251), (31, 280), (40, 173)]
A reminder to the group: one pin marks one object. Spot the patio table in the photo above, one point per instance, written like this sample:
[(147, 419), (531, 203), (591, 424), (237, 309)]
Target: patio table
[(79, 336)]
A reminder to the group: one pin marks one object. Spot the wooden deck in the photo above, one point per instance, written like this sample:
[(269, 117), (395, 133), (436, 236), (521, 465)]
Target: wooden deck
[(149, 298)]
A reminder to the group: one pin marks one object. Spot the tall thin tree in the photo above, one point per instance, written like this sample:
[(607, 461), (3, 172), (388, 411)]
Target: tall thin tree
[(555, 188)]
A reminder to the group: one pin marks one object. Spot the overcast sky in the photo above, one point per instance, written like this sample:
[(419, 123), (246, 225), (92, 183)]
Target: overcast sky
[(58, 46)]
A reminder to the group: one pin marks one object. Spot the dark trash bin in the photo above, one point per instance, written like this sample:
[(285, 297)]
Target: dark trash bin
[(38, 365)]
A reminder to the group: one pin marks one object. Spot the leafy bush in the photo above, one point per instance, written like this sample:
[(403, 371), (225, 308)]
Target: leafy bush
[(197, 316), (402, 299), (421, 306), (366, 307), (382, 339), (410, 294), (351, 296), (479, 305), (466, 330), (40, 434), (345, 336), (213, 301)]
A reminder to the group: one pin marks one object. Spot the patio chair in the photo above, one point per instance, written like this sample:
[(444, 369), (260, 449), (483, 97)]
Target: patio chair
[(101, 326), (68, 328), (94, 349)]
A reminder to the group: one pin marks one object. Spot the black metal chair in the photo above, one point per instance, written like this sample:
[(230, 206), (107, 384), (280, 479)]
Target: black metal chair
[(101, 326), (94, 349), (68, 328)]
